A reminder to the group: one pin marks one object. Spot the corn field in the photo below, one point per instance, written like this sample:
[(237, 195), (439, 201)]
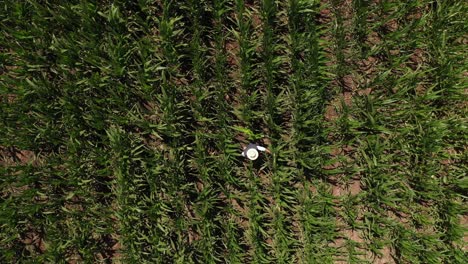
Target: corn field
[(122, 125)]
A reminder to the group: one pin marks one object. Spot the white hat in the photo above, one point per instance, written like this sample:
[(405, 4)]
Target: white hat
[(251, 151)]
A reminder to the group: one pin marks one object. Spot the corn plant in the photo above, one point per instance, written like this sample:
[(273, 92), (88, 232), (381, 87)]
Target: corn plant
[(122, 125)]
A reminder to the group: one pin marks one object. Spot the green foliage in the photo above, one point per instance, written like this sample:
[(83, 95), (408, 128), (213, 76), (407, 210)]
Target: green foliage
[(122, 124)]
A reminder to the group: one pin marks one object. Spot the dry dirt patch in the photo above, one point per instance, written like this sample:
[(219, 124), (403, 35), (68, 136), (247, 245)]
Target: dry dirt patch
[(11, 156)]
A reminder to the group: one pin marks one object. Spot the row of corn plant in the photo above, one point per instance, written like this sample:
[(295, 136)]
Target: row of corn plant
[(275, 65), (226, 161), (446, 54), (308, 82), (205, 205), (245, 33)]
